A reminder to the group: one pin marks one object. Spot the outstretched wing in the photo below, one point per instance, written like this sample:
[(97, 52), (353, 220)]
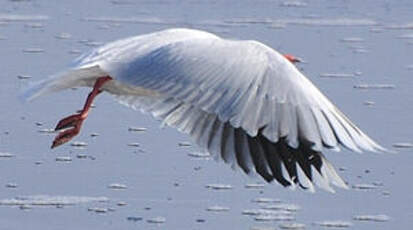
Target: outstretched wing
[(240, 100), (244, 102)]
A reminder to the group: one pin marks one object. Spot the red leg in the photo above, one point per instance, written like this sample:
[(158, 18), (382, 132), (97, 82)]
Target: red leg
[(74, 122)]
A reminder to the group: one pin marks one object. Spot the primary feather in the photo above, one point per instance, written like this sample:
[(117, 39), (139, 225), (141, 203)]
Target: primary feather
[(242, 101)]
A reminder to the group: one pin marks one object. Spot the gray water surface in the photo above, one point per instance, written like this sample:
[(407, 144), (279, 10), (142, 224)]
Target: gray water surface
[(359, 53)]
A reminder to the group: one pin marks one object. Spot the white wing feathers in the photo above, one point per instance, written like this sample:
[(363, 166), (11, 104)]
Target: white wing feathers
[(248, 85), (241, 100)]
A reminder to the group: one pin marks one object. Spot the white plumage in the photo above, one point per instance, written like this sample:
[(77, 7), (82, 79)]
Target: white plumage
[(242, 101)]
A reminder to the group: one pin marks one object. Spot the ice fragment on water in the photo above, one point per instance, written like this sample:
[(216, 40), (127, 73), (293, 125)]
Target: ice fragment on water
[(64, 159), (6, 155), (375, 86), (255, 186), (217, 208), (78, 144), (199, 155), (137, 129), (286, 207), (373, 218), (292, 226), (33, 50), (403, 145), (334, 224), (184, 144), (218, 186), (117, 186), (266, 200), (156, 220)]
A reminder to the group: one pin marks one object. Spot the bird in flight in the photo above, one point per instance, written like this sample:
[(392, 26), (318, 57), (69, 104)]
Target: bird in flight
[(240, 100)]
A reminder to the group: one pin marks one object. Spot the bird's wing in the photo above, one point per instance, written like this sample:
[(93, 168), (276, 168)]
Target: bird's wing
[(246, 103), (248, 85), (240, 100)]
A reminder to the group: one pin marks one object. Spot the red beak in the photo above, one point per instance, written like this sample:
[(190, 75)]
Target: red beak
[(292, 58)]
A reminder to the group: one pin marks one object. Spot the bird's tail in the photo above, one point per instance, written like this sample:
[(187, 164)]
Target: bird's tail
[(64, 80)]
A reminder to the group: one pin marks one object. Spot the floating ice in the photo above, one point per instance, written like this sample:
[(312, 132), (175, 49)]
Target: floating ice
[(257, 212), (403, 145), (217, 208), (46, 131), (156, 220), (263, 228), (78, 144), (292, 226), (255, 186), (25, 207), (274, 218), (138, 20), (22, 77), (63, 35), (286, 207), (204, 155), (292, 3), (137, 129), (219, 186), (386, 193), (266, 200), (46, 200), (121, 203), (64, 159), (81, 156), (34, 25), (134, 218), (378, 183), (21, 17), (405, 26), (369, 103), (334, 224), (75, 51), (93, 44), (98, 210), (90, 43), (6, 155), (11, 185), (216, 23), (337, 75), (342, 169), (374, 218), (352, 39), (364, 186), (134, 144), (33, 50), (375, 86), (122, 2), (241, 21), (326, 21), (184, 144), (117, 186), (94, 134)]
